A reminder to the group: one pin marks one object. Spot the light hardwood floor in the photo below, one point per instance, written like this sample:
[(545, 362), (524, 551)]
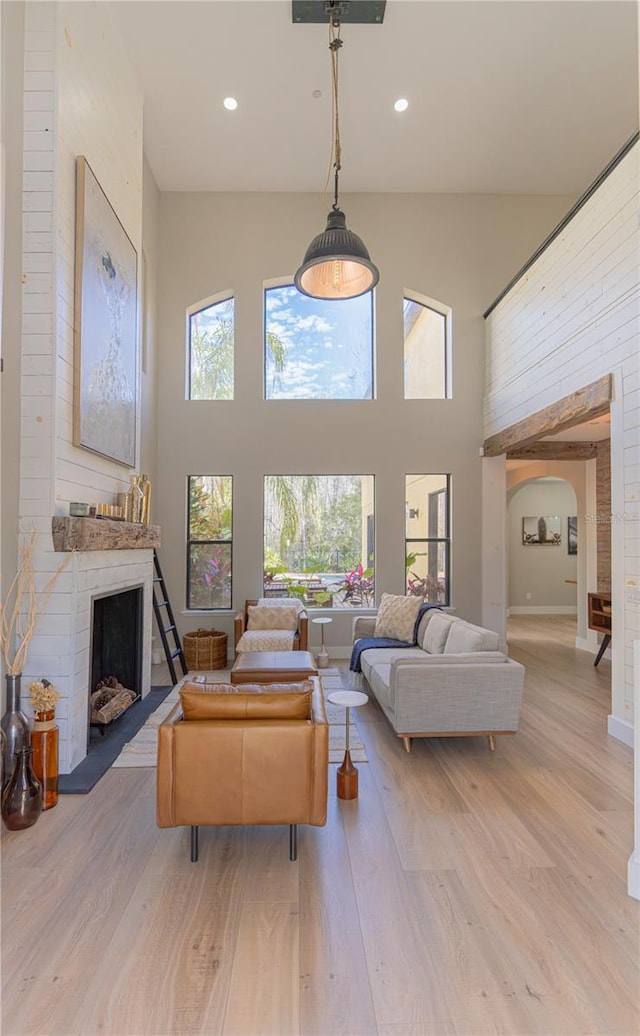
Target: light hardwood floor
[(463, 892)]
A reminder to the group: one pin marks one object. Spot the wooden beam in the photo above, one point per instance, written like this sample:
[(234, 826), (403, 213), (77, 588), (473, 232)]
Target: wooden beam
[(102, 534), (583, 405), (554, 451)]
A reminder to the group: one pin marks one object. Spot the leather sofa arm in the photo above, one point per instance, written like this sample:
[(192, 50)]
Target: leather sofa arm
[(165, 768), (239, 623), (303, 631)]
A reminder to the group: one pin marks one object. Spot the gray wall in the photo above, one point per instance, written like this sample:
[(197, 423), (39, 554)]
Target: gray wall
[(538, 570), (458, 250)]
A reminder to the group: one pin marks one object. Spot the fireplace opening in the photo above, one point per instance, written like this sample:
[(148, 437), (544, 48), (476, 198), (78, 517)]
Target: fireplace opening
[(116, 655)]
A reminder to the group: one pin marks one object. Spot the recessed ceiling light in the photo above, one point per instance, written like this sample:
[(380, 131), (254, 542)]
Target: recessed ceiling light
[(401, 105), (230, 104)]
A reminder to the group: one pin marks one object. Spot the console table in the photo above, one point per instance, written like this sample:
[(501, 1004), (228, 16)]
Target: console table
[(599, 620)]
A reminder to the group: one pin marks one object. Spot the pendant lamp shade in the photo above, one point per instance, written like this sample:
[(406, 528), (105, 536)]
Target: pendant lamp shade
[(337, 264)]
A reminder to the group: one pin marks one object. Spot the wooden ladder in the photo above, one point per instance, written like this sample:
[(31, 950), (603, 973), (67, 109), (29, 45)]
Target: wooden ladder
[(166, 629)]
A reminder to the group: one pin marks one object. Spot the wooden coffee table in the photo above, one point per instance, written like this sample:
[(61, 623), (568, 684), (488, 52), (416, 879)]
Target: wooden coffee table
[(273, 667)]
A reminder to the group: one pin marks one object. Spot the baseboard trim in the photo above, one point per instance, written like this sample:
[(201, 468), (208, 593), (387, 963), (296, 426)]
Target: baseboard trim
[(621, 730), (633, 875), (551, 609)]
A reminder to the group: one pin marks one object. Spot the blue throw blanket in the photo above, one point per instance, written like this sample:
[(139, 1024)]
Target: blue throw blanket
[(364, 643)]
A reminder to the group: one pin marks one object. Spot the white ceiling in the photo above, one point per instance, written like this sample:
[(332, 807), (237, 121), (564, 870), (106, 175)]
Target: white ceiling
[(505, 97)]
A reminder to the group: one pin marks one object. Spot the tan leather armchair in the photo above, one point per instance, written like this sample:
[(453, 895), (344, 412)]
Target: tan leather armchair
[(254, 754), (247, 639)]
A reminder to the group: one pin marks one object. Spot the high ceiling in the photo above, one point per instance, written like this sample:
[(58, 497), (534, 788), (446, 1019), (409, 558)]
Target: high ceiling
[(504, 97)]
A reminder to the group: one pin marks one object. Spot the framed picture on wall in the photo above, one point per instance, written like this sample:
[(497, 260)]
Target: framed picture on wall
[(572, 534), (106, 326), (545, 531)]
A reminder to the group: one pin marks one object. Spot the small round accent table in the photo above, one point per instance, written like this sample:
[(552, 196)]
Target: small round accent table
[(347, 776), (322, 660)]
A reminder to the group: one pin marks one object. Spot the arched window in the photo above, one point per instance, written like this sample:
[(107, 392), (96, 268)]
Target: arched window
[(427, 349), (211, 348), (317, 349)]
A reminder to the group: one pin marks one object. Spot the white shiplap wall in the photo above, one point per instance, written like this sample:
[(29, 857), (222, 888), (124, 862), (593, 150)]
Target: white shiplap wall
[(571, 318), (71, 51)]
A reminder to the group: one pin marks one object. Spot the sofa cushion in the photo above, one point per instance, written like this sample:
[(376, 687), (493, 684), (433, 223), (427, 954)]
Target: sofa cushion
[(423, 623), (282, 602), (379, 681), (384, 656), (437, 633), (463, 637), (250, 701), (272, 617), (266, 640), (397, 617)]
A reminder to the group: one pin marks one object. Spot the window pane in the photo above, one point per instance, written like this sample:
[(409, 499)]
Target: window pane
[(426, 506), (210, 507), (209, 575), (211, 343), (317, 349), (319, 539), (427, 570), (209, 541), (425, 350)]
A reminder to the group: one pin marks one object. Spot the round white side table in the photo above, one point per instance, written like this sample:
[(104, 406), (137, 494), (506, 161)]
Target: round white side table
[(322, 660), (347, 775)]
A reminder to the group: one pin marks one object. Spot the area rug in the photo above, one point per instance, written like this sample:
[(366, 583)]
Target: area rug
[(141, 750)]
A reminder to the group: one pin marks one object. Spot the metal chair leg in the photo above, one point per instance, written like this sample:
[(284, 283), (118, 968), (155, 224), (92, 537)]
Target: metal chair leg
[(293, 841), (606, 640), (194, 844)]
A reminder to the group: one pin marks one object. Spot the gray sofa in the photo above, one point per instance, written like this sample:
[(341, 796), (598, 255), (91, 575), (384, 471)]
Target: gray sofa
[(454, 683)]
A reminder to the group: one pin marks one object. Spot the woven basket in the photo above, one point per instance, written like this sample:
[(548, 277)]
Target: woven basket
[(205, 649)]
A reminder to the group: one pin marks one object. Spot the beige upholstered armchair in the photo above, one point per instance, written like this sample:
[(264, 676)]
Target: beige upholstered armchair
[(271, 624), (256, 754)]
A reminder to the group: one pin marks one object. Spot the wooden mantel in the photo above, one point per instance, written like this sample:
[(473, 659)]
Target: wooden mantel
[(102, 534)]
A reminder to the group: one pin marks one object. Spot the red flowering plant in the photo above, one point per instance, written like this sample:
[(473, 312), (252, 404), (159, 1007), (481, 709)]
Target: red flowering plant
[(211, 578), (358, 587), (427, 587)]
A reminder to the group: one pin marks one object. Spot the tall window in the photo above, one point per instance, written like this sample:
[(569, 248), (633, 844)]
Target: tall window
[(426, 351), (209, 541), (319, 541), (211, 342), (317, 349), (427, 536)]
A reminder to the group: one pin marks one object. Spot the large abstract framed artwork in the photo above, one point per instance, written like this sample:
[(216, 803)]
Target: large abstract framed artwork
[(105, 336)]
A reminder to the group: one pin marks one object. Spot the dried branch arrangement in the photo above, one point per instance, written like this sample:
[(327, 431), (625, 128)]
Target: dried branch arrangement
[(22, 608)]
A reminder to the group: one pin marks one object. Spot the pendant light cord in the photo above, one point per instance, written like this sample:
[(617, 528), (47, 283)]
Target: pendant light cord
[(335, 157)]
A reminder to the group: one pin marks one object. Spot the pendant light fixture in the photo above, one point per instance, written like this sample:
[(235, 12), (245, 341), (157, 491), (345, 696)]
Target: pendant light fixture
[(337, 264)]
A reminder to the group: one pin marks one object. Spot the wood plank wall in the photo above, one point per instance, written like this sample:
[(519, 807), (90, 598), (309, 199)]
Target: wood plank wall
[(603, 509)]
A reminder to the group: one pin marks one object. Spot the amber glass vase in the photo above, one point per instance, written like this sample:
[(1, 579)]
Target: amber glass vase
[(22, 797), (44, 741)]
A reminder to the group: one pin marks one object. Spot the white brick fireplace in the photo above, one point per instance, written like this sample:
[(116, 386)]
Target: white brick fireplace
[(60, 649)]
